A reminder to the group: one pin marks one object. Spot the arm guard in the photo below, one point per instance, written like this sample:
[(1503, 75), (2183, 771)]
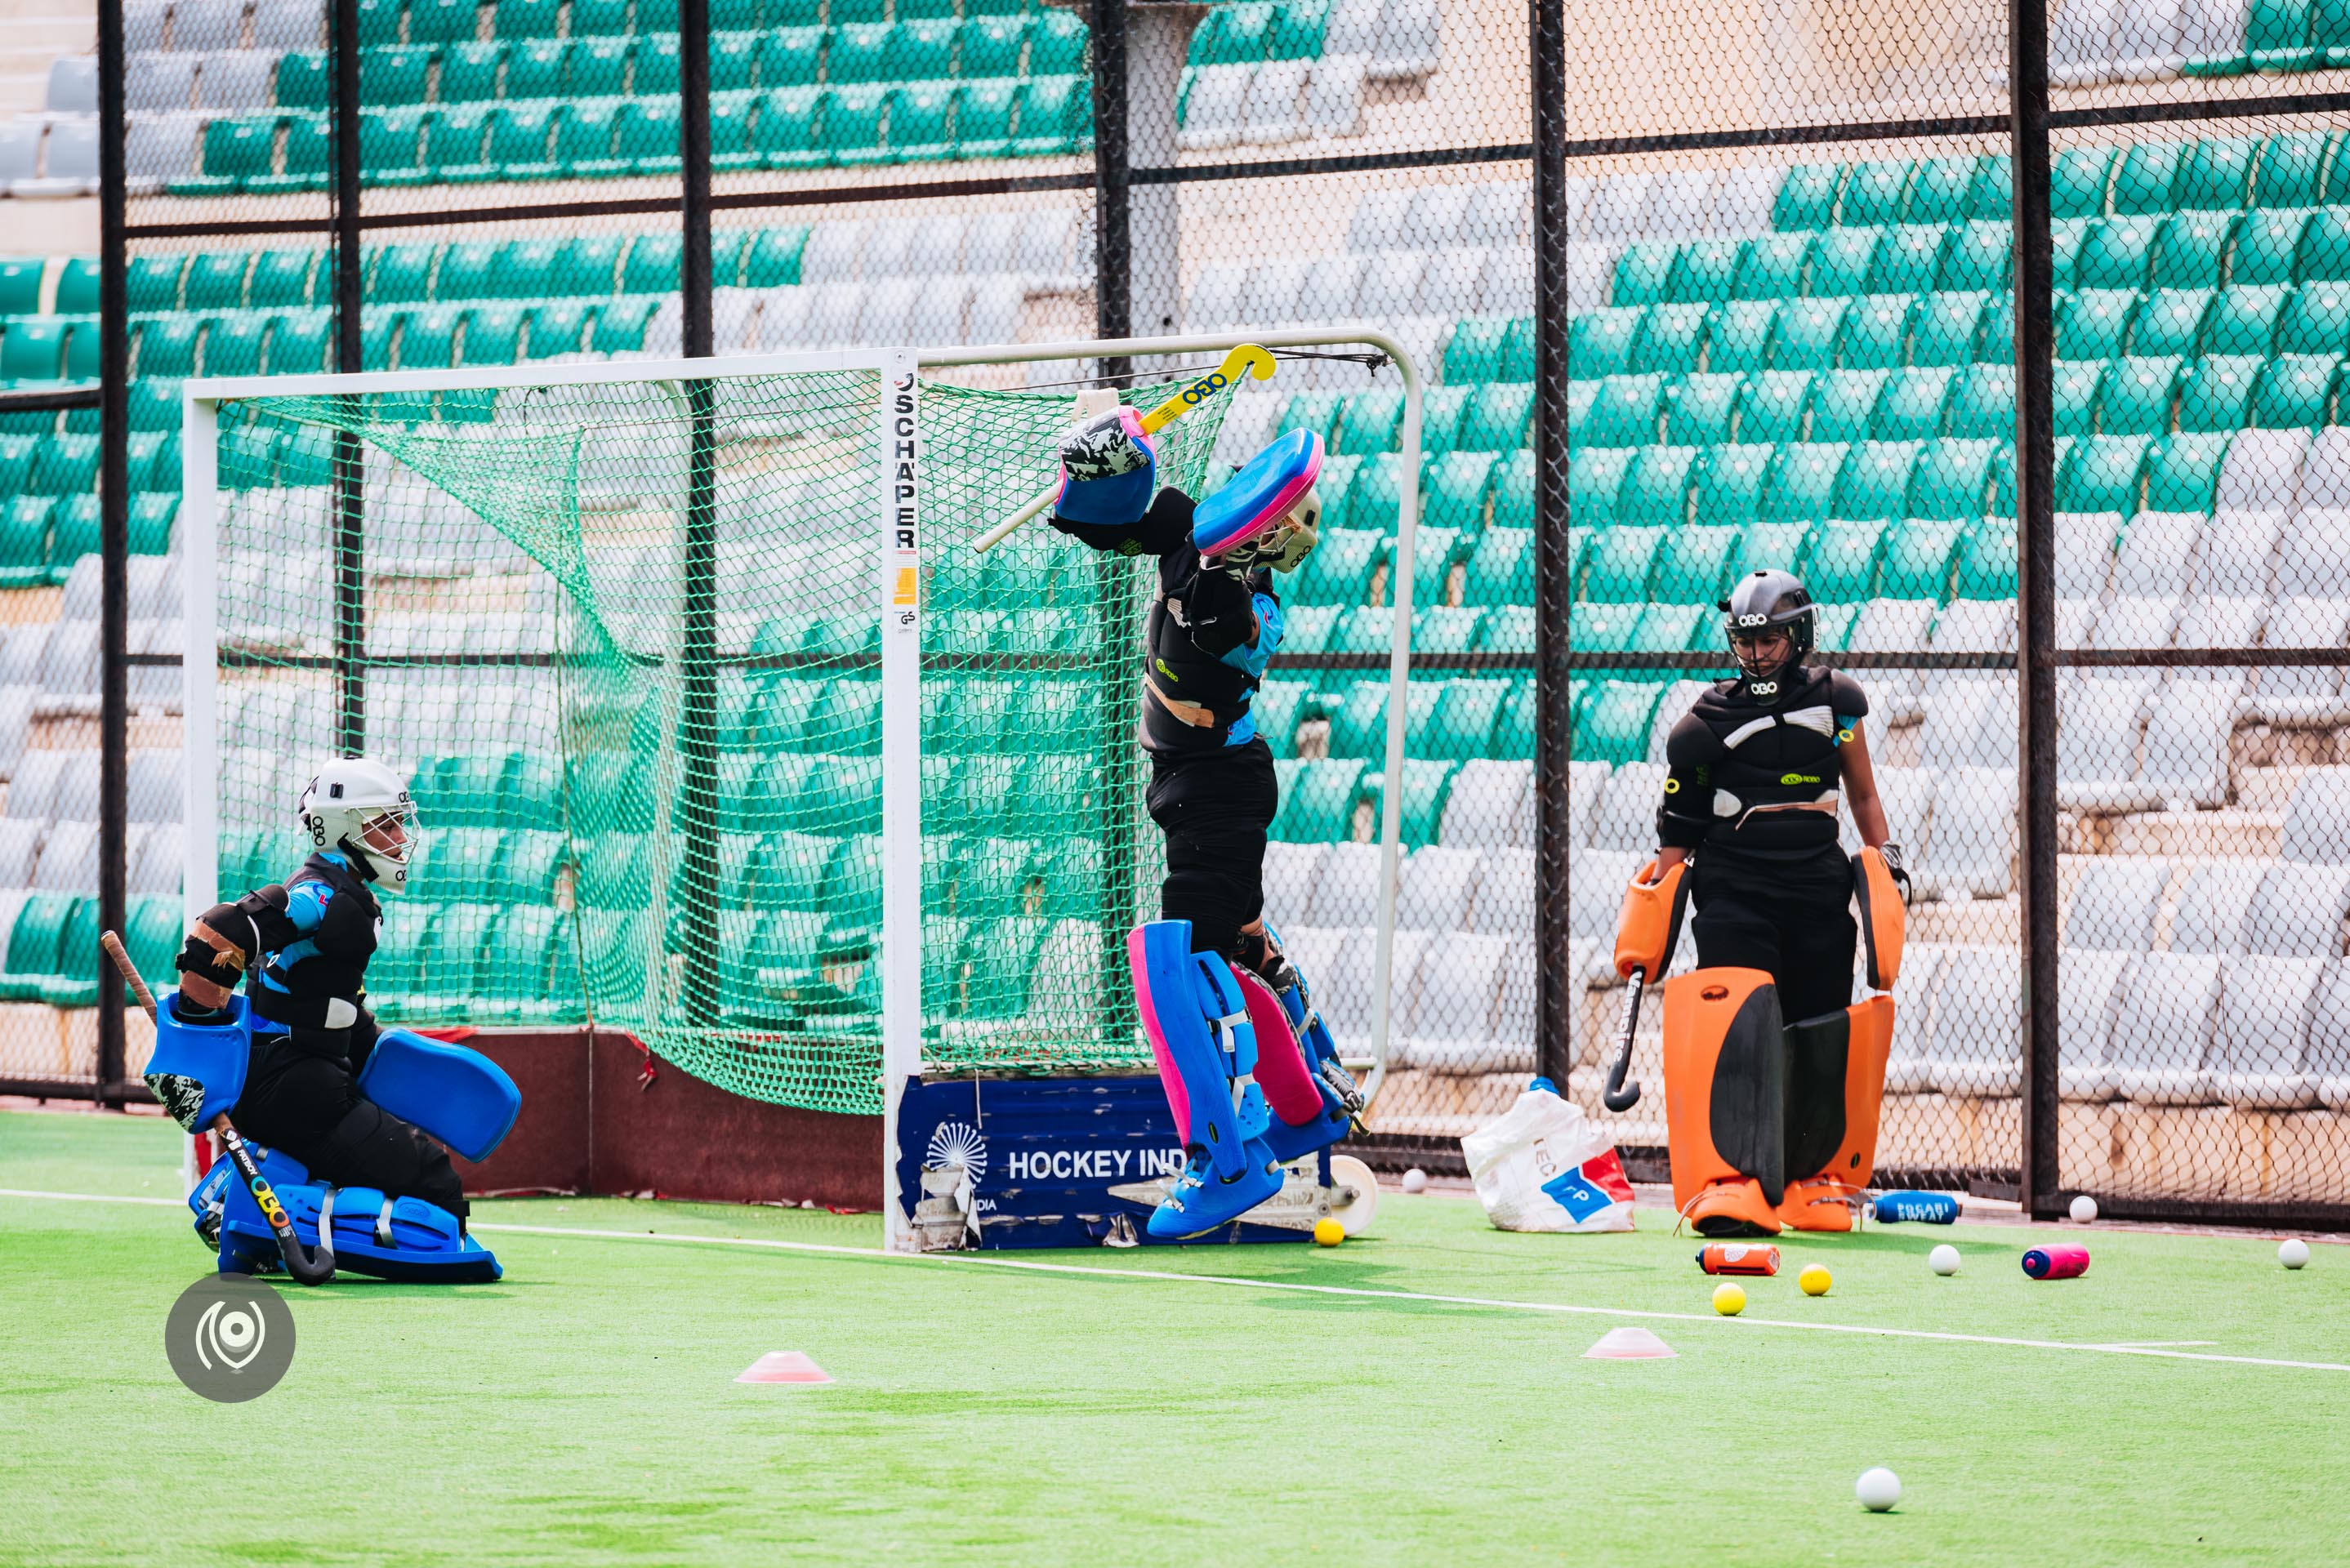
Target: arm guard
[(1165, 525), (1686, 815), (1883, 918), (1650, 923), (227, 939)]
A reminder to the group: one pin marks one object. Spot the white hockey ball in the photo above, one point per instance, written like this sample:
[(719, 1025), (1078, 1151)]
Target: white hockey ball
[(1878, 1488), (2293, 1253), (2085, 1209), (1415, 1180), (1943, 1260)]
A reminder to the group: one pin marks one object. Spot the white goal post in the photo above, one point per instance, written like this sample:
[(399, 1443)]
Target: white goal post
[(899, 528)]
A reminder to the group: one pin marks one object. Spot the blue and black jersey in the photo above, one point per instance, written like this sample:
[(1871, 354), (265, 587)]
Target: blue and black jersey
[(335, 920), (1210, 636)]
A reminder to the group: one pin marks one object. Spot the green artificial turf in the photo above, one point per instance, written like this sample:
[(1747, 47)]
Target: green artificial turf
[(583, 1410)]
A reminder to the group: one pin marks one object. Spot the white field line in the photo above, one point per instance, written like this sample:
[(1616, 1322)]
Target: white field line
[(2156, 1350)]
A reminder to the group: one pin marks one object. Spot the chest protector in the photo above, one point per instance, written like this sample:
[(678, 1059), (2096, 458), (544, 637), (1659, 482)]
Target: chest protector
[(325, 989), (1760, 773), (1193, 701)]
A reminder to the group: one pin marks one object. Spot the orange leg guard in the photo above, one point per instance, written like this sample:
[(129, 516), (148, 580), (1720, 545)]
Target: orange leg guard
[(1835, 1090), (1725, 1099)]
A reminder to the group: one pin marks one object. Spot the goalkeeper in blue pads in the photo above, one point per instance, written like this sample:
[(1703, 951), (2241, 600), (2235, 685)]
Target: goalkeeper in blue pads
[(354, 1116), (1248, 1068)]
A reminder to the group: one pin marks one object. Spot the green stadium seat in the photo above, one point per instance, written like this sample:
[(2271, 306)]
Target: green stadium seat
[(1341, 568), (1699, 409), (1945, 327), (2095, 323), (2217, 392), (1802, 486), (455, 142), (1625, 413), (1601, 626), (154, 404), (1455, 489), (469, 270), (1672, 339), (993, 45), (282, 278), (302, 343), (1506, 629), (561, 328), (1738, 339), (1657, 488), (2102, 473), (1803, 336), (2135, 397), (400, 275), (1055, 112), (1772, 545), (1841, 403), (1594, 480), (850, 122), (216, 280), (1911, 406), (494, 335), (2171, 322), (536, 70), (394, 75), (1439, 418), (1695, 562), (1875, 481), (33, 348), (1513, 490), (444, 21), (1839, 262), (1613, 727), (1460, 727), (1642, 273), (529, 18), (1240, 34), (1952, 478), (1473, 353), (34, 963), (1919, 558), (1873, 193), (1426, 784), (1319, 800), (1673, 628), (1974, 255), (1369, 420), (2117, 254), (25, 540), (1729, 483), (469, 72), (2276, 36), (1501, 568), (1580, 398), (1497, 418), (2077, 180), (1620, 562), (1907, 260), (2075, 385), (2295, 392), (2066, 240), (2317, 321), (1446, 629), (2143, 181), (1840, 561), (1876, 334), (1807, 198), (2182, 470), (1939, 189), (2292, 170), (1599, 342), (428, 337), (2242, 318), (1772, 267), (154, 283), (2266, 246), (1770, 405), (1987, 564), (2190, 249), (2325, 252), (232, 344), (1706, 271), (305, 79)]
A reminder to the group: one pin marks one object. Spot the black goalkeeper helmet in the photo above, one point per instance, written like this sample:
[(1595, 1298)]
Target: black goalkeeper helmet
[(1764, 601)]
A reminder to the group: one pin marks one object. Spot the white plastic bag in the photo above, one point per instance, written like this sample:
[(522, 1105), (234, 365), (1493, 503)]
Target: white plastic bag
[(1543, 1166)]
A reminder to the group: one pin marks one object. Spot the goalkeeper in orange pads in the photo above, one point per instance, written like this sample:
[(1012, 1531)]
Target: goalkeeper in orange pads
[(1772, 1077)]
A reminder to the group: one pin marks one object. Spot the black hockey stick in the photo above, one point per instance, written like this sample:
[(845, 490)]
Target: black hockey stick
[(305, 1268), (1620, 1097)]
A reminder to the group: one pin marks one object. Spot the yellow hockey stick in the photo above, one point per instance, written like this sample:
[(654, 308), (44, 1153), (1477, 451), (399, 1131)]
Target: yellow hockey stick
[(1249, 359)]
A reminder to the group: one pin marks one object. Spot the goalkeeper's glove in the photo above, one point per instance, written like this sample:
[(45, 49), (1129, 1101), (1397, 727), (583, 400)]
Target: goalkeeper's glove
[(1893, 868)]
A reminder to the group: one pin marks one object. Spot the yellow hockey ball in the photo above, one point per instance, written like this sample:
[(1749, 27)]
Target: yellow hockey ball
[(1328, 1233), (1815, 1280), (1728, 1300)]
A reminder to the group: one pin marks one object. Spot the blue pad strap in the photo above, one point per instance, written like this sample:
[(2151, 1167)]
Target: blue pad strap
[(426, 1244), (452, 1092)]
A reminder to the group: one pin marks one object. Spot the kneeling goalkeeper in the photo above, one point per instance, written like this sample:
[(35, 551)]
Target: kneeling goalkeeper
[(1218, 1000)]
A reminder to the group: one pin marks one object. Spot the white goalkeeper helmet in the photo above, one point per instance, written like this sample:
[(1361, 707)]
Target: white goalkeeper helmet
[(361, 807)]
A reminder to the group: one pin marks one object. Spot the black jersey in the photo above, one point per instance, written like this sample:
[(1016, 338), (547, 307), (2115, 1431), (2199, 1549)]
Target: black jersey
[(1209, 636), (1762, 777)]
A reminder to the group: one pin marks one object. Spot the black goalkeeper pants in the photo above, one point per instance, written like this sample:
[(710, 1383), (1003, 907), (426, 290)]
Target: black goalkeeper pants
[(1214, 809), (1790, 918), (301, 1095)]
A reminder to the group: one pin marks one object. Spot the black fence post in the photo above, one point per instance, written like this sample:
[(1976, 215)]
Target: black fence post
[(693, 151), (1113, 195), (1557, 989), (349, 470), (698, 721), (113, 538), (2035, 508)]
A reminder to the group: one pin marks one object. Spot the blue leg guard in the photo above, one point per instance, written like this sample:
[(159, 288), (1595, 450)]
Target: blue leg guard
[(1196, 1020), (402, 1238), (452, 1092)]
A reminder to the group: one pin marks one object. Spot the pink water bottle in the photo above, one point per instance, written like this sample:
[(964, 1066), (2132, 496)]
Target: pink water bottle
[(2062, 1262)]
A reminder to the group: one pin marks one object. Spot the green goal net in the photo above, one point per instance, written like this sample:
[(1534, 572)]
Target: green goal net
[(626, 637)]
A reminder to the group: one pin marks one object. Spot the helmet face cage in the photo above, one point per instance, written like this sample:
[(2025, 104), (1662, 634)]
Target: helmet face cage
[(1765, 603)]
